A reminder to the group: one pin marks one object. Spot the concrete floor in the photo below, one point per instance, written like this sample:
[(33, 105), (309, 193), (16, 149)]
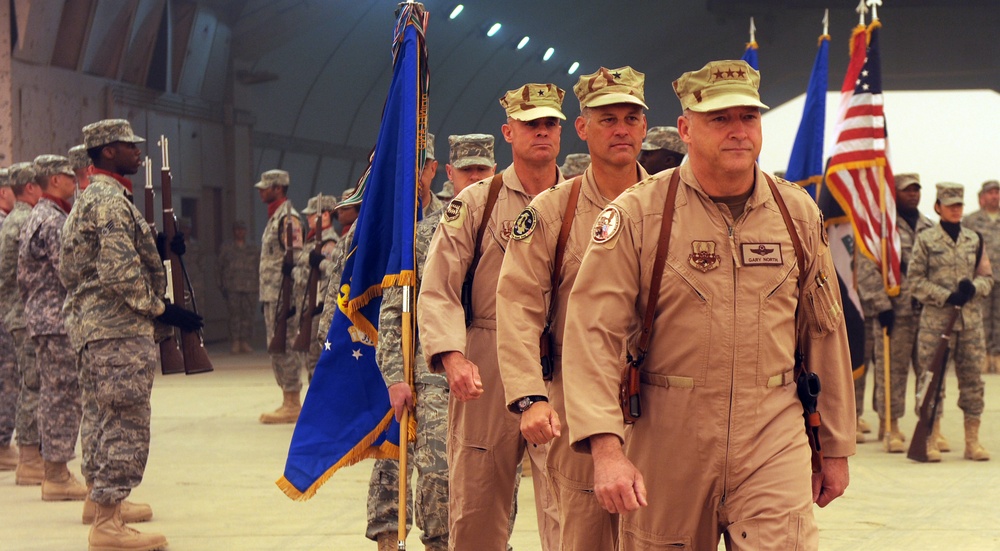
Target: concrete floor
[(212, 468)]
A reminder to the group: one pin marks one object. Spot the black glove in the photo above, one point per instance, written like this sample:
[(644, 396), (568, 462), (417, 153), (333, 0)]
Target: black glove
[(186, 320), (286, 269), (886, 319), (177, 244), (967, 288), (161, 245), (315, 259), (957, 299), (318, 309), (291, 313)]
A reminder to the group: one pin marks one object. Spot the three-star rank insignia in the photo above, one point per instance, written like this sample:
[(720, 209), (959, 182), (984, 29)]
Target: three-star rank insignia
[(703, 256), (525, 224), (607, 225)]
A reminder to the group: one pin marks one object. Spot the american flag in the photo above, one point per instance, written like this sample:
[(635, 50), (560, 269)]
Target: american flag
[(858, 174)]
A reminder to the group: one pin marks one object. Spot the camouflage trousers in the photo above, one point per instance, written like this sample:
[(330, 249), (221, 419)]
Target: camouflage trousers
[(26, 418), (859, 381), (903, 354), (241, 315), (968, 351), (429, 453), (990, 307), (119, 375), (59, 398), (88, 424), (9, 387), (288, 366)]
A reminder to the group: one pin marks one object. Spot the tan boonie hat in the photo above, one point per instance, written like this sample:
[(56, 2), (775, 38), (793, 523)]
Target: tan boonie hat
[(320, 203), (534, 101), (345, 199), (470, 150), (719, 85), (664, 137), (611, 86), (950, 194), (447, 190), (273, 178), (22, 173), (78, 157), (4, 177), (50, 165), (988, 185), (906, 180), (107, 132), (575, 164)]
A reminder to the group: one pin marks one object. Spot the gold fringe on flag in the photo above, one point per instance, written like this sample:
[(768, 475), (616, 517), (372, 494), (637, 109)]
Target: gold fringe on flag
[(857, 30)]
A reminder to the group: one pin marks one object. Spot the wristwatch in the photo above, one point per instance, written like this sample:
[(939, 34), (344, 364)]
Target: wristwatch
[(526, 402)]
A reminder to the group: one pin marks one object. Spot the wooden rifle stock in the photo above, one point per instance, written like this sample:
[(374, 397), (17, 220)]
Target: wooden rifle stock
[(171, 360), (304, 338), (196, 358), (932, 396), (279, 341)]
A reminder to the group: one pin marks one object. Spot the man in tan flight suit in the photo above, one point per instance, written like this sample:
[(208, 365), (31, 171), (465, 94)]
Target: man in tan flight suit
[(485, 445), (613, 124), (720, 444)]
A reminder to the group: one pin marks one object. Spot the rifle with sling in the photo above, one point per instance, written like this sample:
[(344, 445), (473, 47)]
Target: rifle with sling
[(196, 358), (279, 344), (932, 396), (491, 201), (303, 339), (171, 360)]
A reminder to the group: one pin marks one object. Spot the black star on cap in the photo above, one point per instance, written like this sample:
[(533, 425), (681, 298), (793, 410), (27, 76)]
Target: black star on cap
[(541, 92), (616, 74)]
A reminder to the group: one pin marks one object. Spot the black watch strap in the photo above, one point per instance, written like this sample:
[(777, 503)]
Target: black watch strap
[(525, 402)]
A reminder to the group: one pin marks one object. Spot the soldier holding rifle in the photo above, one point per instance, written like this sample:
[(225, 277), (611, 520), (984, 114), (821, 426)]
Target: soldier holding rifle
[(310, 274), (115, 285)]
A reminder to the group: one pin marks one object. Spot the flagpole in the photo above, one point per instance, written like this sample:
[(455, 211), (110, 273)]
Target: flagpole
[(404, 423)]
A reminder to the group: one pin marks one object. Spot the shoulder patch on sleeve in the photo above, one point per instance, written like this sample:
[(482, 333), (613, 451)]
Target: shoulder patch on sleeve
[(607, 225), (454, 214), (525, 224)]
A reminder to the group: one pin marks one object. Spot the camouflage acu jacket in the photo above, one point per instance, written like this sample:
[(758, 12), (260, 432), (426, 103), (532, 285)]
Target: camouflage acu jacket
[(11, 305), (272, 249), (989, 228), (302, 268), (108, 262), (238, 267), (38, 269)]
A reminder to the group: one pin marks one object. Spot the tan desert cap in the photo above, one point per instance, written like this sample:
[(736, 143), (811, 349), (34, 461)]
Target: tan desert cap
[(470, 150), (50, 165), (273, 178), (109, 131), (611, 86), (534, 101), (719, 85), (950, 194), (906, 180)]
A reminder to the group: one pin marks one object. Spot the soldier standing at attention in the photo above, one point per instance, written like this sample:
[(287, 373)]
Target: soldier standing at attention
[(485, 445), (115, 284), (986, 221), (613, 124), (663, 148), (900, 315), (9, 385), (428, 400), (30, 468), (43, 294), (319, 218), (950, 267), (273, 189), (239, 262), (720, 445)]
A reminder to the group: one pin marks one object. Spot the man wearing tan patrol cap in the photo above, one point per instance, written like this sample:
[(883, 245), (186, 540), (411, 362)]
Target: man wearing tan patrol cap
[(950, 267), (663, 148), (986, 221), (613, 124), (484, 442), (715, 346), (281, 215)]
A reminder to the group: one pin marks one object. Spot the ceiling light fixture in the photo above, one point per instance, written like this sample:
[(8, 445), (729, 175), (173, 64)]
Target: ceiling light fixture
[(493, 30), (458, 9), (548, 54), (574, 67), (522, 43)]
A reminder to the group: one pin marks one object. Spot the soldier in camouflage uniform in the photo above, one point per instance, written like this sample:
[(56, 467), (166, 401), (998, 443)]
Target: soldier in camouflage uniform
[(986, 221), (239, 262), (949, 267), (662, 149), (575, 165), (468, 161), (81, 164), (273, 189), (319, 213), (899, 315), (43, 295), (30, 469), (115, 285), (8, 365)]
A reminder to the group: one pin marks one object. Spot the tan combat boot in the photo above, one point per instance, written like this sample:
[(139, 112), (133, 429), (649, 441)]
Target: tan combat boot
[(859, 431), (387, 542), (933, 453), (131, 512), (60, 484), (287, 413), (8, 457), (863, 426), (109, 533), (940, 443), (30, 468), (893, 441), (973, 449)]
